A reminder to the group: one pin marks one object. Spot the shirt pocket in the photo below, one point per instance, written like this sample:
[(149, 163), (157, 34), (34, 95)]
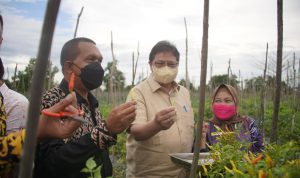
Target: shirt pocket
[(186, 124)]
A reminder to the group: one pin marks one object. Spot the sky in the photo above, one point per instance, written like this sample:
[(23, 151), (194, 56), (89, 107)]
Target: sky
[(238, 30)]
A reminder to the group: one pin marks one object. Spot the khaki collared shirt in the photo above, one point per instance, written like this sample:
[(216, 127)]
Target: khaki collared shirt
[(149, 158)]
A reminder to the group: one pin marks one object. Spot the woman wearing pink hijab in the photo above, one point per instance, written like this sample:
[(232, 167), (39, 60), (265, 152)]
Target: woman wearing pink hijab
[(225, 116)]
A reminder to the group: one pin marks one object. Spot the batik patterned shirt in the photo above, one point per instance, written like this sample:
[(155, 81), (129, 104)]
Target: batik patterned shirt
[(67, 157)]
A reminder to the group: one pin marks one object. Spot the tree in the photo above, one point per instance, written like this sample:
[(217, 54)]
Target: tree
[(254, 84), (23, 78), (216, 80), (183, 83), (118, 77)]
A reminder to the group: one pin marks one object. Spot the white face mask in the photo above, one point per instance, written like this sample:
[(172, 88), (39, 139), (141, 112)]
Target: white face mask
[(165, 74)]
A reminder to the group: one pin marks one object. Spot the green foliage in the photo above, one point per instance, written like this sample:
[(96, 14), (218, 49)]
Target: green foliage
[(92, 168), (216, 80), (23, 78), (183, 83), (195, 105), (118, 151), (275, 161), (249, 106), (285, 122), (118, 78)]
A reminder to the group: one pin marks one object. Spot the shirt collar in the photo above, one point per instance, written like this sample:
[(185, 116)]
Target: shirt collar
[(154, 85), (64, 86), (3, 88)]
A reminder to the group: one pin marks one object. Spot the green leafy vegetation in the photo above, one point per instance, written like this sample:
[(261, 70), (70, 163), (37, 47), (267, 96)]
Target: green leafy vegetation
[(275, 161), (285, 155)]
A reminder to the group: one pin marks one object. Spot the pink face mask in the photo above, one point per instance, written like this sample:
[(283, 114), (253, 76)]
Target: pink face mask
[(224, 112)]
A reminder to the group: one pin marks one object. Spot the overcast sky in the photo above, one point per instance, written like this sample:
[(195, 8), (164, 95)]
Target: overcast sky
[(238, 30)]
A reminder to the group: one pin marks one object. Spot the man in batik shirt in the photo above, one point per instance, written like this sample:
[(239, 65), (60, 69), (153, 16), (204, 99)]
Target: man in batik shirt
[(65, 158)]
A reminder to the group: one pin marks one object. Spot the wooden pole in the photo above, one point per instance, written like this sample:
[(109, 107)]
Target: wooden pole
[(273, 135), (37, 88), (263, 94), (15, 75), (132, 82), (137, 59), (193, 173), (49, 75), (187, 80), (112, 78), (134, 64), (78, 18), (228, 72), (294, 94), (7, 71), (211, 82)]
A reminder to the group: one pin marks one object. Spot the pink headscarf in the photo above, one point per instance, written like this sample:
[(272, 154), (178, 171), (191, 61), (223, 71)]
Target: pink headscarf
[(233, 92)]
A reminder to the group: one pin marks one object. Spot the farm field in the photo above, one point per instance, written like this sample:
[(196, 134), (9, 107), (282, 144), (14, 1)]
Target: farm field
[(288, 146)]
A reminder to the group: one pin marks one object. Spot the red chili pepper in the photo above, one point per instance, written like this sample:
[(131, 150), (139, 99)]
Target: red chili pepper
[(51, 114), (258, 158), (71, 82), (60, 114)]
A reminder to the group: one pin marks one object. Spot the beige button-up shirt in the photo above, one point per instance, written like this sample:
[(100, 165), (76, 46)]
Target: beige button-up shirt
[(149, 158)]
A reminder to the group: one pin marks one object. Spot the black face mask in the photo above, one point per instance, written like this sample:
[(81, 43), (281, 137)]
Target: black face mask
[(91, 75)]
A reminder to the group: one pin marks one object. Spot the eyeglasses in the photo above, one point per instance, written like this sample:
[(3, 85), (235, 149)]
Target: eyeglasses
[(160, 64)]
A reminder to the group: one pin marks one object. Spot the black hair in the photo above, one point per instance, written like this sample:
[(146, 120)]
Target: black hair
[(163, 46), (70, 49), (1, 69)]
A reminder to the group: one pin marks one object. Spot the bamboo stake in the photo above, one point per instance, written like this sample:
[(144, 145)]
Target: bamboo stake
[(134, 64), (78, 18), (187, 80), (193, 173), (112, 72), (7, 71), (228, 72), (15, 75), (37, 88), (294, 93), (211, 82), (49, 75), (132, 82), (299, 76), (137, 59), (263, 94), (273, 133), (287, 78)]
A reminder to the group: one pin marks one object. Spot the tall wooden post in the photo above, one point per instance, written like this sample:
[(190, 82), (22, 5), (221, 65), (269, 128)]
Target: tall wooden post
[(37, 88), (204, 51), (112, 78), (77, 23), (187, 80), (273, 134), (262, 94)]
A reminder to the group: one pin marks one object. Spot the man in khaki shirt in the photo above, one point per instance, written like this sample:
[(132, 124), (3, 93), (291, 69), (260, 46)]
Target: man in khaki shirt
[(164, 122)]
